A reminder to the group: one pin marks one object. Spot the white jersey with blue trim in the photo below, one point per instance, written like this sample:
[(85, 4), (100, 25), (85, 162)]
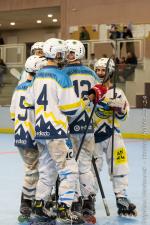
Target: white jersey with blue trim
[(104, 115), (54, 98), (23, 77), (23, 118), (83, 79)]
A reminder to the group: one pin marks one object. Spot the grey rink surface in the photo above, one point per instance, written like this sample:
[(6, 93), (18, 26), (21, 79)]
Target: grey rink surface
[(11, 176)]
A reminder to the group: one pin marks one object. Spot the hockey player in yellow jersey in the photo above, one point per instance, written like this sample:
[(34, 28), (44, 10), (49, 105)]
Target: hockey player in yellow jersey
[(114, 100)]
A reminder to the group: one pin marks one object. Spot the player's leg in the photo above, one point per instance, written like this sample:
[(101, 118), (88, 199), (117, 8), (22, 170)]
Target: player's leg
[(30, 159), (47, 180), (86, 176), (68, 173), (120, 175)]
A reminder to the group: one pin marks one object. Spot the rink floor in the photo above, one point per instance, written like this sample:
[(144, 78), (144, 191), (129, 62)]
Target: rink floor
[(11, 175)]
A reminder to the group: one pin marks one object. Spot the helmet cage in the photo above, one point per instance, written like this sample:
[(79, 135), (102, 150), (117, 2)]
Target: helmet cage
[(34, 63), (53, 46), (108, 64), (77, 47)]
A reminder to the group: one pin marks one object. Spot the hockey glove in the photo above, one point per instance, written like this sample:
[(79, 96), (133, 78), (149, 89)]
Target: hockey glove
[(118, 104), (96, 93)]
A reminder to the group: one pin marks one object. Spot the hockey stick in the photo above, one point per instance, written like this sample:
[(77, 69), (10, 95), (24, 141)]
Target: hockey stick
[(15, 73), (113, 115), (81, 144), (83, 137), (57, 190), (94, 165), (100, 186), (93, 160), (113, 126), (91, 116), (79, 150)]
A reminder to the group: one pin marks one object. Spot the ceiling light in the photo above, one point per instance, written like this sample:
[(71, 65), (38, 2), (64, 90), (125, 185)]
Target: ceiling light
[(39, 21), (55, 20), (74, 9), (12, 23), (50, 15)]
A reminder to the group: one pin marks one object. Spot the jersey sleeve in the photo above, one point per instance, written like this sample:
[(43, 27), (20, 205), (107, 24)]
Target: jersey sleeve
[(123, 114), (12, 106), (29, 98)]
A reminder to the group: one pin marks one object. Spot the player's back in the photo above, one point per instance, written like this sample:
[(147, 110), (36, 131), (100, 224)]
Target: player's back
[(54, 97), (23, 117), (82, 77)]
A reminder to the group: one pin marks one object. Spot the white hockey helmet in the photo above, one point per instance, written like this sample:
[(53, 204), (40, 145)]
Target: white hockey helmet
[(75, 46), (105, 62), (37, 45), (53, 46), (34, 63)]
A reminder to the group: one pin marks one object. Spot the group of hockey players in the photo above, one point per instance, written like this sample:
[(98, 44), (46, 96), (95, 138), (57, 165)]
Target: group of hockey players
[(51, 107)]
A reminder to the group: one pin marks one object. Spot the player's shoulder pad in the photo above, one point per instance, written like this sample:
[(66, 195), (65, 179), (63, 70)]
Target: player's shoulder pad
[(56, 74), (80, 69), (91, 72), (63, 80), (119, 91), (24, 85)]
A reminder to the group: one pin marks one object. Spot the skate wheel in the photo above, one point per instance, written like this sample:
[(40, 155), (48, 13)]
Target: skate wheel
[(131, 213), (134, 213), (22, 219), (90, 219), (120, 213)]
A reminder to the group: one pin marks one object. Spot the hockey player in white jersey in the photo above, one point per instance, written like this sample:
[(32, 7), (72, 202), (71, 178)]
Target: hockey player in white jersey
[(83, 78), (24, 136), (36, 49), (103, 135), (54, 99)]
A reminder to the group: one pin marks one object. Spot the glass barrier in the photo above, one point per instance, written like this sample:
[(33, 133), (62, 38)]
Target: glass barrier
[(128, 76), (12, 59), (119, 48), (8, 81), (13, 54), (125, 72)]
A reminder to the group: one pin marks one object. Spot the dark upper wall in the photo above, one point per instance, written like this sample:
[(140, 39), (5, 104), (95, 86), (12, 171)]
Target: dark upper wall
[(85, 12), (108, 11), (80, 12), (90, 11), (6, 5)]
